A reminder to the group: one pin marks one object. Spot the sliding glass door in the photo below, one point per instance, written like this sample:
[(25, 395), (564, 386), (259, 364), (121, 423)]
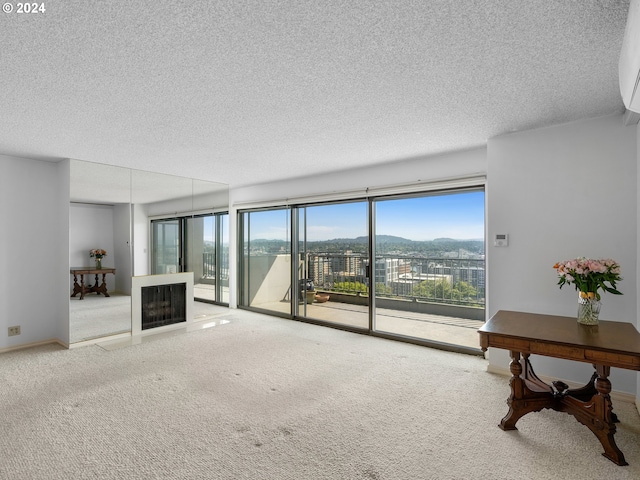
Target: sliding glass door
[(404, 266), (429, 266), (333, 249), (265, 263)]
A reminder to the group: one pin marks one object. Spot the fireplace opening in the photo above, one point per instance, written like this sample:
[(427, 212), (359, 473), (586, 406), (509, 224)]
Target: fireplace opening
[(163, 305)]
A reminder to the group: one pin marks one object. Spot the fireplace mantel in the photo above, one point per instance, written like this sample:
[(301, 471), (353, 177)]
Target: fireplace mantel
[(137, 283)]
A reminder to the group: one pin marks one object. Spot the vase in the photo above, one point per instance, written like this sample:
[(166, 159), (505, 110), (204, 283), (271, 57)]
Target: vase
[(99, 263), (588, 308)]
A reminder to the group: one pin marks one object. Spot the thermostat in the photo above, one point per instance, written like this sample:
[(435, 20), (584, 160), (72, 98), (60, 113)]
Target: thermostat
[(501, 240)]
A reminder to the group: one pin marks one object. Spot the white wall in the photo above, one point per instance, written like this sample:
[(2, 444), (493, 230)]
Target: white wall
[(34, 271), (270, 279), (62, 274), (91, 226), (562, 192), (417, 170)]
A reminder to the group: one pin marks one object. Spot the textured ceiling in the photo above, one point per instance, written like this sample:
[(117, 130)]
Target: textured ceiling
[(244, 92)]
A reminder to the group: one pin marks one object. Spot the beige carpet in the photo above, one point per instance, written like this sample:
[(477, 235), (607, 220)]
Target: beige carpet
[(267, 398), (97, 316)]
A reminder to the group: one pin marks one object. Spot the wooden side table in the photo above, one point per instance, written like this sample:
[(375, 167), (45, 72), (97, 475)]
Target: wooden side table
[(83, 289), (609, 344)]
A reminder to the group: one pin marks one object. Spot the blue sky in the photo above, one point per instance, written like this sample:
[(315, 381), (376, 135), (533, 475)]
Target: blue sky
[(210, 228), (459, 215)]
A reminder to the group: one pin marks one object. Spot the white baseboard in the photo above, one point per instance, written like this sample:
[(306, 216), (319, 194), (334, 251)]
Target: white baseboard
[(615, 395), (22, 346), (94, 341)]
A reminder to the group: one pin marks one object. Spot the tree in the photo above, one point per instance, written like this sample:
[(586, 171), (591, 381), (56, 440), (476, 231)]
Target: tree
[(441, 289), (350, 287), (382, 289), (466, 291)]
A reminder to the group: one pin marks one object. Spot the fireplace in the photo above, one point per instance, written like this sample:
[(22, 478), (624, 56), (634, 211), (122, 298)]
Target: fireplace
[(163, 305), (161, 302)]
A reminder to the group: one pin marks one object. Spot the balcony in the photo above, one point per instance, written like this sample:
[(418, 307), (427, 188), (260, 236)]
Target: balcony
[(430, 299)]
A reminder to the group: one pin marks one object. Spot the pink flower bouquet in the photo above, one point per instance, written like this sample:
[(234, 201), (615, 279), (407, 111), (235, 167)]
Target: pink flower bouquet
[(589, 275)]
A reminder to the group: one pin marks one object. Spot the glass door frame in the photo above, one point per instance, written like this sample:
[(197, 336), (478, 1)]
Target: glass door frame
[(244, 260), (220, 264), (296, 241), (374, 200)]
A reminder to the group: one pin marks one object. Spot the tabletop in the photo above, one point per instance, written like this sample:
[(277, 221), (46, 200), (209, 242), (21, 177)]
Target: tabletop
[(609, 343)]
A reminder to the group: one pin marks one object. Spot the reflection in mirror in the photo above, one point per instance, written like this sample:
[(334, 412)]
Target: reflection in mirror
[(174, 225), (208, 232), (118, 209), (155, 195), (99, 219), (178, 219), (210, 195)]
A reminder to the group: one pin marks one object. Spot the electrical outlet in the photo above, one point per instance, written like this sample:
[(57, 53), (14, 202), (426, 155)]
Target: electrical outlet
[(14, 330)]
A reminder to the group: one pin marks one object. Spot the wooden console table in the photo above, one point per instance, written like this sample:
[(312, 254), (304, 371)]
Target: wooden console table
[(609, 344), (83, 289)]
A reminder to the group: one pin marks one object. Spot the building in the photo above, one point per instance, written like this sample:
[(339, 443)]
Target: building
[(389, 270)]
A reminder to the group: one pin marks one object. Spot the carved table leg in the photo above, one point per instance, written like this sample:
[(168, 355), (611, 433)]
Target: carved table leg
[(76, 288), (595, 413), (103, 287), (602, 424), (82, 288), (524, 399), (588, 391), (517, 387)]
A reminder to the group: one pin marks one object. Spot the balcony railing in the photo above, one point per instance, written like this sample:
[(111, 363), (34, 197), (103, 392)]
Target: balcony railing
[(209, 266), (454, 281)]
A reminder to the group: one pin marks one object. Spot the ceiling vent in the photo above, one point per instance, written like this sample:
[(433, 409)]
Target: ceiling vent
[(629, 67)]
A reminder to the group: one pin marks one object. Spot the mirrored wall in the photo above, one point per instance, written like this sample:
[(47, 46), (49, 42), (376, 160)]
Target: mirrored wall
[(111, 211)]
